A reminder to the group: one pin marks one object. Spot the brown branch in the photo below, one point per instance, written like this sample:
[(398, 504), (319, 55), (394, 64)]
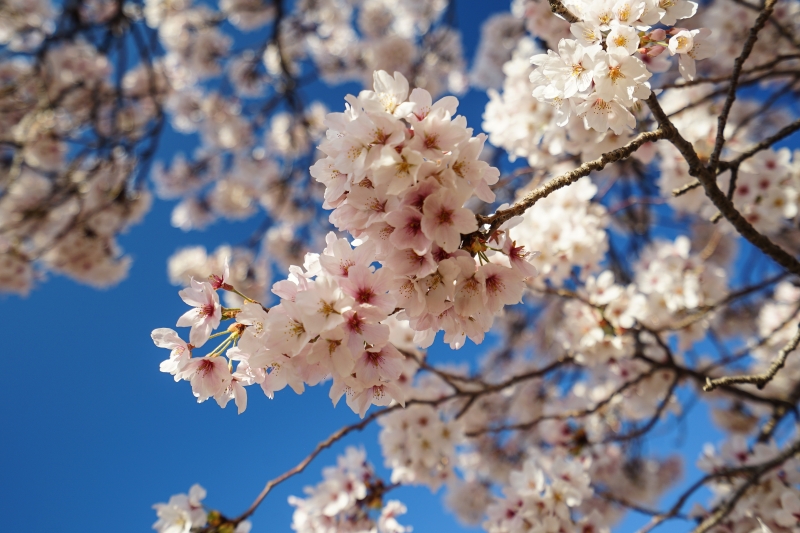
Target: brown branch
[(629, 505), (497, 219), (720, 79), (707, 179), (759, 380), (722, 120), (704, 310), (638, 432), (701, 377), (750, 81), (577, 413), (782, 30), (763, 145), (733, 164), (756, 471), (561, 10), (302, 465), (342, 432)]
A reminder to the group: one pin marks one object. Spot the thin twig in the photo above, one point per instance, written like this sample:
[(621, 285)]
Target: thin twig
[(759, 380), (497, 219), (722, 120), (707, 179)]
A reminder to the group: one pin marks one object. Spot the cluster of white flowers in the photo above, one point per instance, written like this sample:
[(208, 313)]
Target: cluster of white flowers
[(515, 120), (184, 513), (343, 40), (600, 320), (419, 446), (768, 188), (598, 77), (767, 184), (544, 495), (499, 36), (773, 504), (69, 109), (539, 20), (671, 285), (677, 282), (568, 229), (58, 208), (77, 235), (731, 23), (777, 322), (342, 502), (24, 24), (397, 174)]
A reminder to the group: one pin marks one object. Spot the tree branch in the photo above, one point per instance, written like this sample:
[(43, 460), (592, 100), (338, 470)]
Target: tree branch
[(722, 120), (497, 219), (561, 10), (707, 179), (759, 380)]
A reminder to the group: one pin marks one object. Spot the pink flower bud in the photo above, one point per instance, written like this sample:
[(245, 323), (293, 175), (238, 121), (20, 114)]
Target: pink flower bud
[(658, 35), (656, 51)]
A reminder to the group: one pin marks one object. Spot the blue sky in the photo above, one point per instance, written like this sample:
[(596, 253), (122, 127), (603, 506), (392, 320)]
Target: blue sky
[(95, 434)]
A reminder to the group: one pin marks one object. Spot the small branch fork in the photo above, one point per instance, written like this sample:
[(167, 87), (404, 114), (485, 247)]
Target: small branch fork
[(707, 179), (722, 120), (734, 164), (755, 472), (759, 380), (342, 432)]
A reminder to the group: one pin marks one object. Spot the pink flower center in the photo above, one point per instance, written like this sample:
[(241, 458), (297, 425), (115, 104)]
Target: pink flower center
[(431, 141), (365, 295), (205, 367), (354, 323), (414, 226), (374, 358), (494, 284), (445, 217)]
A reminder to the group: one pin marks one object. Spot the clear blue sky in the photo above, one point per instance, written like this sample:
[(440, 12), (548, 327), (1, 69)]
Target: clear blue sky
[(93, 434)]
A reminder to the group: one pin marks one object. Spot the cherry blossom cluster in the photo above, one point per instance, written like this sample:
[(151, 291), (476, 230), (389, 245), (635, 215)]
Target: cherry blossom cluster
[(672, 285), (515, 120), (81, 119), (568, 229), (398, 173), (25, 24), (599, 76), (777, 322), (544, 495), (332, 321), (731, 22), (611, 337), (538, 134), (767, 184), (346, 500), (184, 513), (773, 505), (336, 40), (419, 446), (65, 216)]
